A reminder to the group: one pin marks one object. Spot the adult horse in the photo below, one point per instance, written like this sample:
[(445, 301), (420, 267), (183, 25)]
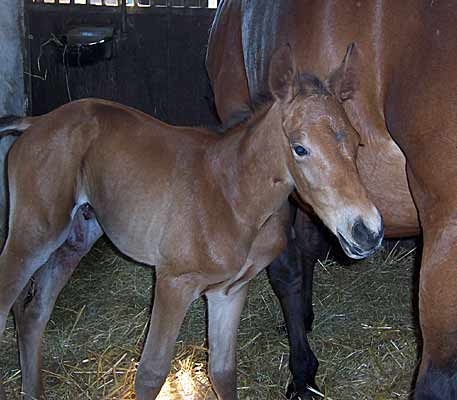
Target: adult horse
[(208, 211), (403, 104)]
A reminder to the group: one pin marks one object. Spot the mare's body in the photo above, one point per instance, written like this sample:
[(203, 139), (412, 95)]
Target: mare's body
[(404, 107)]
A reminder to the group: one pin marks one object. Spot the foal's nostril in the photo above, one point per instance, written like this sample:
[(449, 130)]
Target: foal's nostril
[(360, 232), (365, 237)]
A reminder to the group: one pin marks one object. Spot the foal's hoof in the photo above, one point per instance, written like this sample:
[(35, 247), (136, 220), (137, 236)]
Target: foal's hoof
[(305, 394)]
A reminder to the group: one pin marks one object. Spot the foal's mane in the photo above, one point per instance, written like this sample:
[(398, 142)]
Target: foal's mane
[(305, 85)]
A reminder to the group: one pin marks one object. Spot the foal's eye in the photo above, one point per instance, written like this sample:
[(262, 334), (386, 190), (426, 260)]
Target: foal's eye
[(300, 150)]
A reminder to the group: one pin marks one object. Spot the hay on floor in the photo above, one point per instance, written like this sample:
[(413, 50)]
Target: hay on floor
[(364, 334)]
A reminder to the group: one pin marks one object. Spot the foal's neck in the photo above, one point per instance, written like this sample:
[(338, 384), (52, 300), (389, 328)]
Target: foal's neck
[(250, 166)]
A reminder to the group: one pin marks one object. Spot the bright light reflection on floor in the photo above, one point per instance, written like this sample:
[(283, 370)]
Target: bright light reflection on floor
[(189, 383)]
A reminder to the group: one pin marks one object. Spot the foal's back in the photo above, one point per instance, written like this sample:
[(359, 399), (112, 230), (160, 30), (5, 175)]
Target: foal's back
[(134, 170)]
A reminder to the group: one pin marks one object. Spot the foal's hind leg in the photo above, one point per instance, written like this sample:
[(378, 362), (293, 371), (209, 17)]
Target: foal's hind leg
[(173, 296), (224, 312), (35, 232), (25, 251), (19, 260), (33, 308)]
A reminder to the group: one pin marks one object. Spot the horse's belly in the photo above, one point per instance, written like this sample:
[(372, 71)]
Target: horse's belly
[(133, 219), (135, 235), (382, 169), (139, 244)]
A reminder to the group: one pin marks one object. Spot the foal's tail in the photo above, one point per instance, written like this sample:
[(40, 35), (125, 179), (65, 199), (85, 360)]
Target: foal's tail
[(13, 125)]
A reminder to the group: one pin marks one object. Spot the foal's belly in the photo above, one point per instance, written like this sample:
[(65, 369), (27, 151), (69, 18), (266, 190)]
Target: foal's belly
[(382, 169), (135, 234), (133, 219)]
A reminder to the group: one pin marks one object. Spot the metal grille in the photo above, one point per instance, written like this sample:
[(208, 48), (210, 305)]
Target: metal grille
[(137, 3)]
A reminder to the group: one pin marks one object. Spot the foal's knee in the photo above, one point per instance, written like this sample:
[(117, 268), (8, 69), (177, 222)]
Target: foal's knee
[(29, 311), (31, 320)]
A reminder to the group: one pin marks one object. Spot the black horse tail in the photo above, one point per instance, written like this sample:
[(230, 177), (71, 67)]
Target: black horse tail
[(14, 125)]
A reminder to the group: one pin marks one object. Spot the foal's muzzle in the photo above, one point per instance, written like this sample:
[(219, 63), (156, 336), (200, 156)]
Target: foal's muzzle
[(363, 241)]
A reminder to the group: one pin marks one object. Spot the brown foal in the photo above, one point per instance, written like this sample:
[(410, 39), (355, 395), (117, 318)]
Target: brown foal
[(209, 212)]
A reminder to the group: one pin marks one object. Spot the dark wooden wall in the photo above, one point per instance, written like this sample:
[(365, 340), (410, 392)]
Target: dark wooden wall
[(158, 65)]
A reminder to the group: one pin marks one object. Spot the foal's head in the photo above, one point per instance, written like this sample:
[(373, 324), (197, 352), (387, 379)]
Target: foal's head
[(322, 151)]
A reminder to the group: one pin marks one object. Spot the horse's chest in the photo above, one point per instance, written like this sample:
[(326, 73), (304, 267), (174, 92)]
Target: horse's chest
[(265, 245), (219, 248)]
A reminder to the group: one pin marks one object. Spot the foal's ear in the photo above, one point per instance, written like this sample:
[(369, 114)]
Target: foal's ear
[(342, 82), (281, 73)]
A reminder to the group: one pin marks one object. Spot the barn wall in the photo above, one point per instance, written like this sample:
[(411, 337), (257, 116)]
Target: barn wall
[(157, 64), (11, 65), (12, 98)]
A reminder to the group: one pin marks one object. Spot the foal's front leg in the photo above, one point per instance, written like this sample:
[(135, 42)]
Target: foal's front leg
[(173, 296), (224, 311)]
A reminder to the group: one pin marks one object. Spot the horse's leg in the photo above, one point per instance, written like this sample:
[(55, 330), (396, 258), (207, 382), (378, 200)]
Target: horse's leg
[(291, 276), (224, 312), (437, 379), (173, 296), (312, 240), (422, 120), (33, 308), (20, 258), (39, 223)]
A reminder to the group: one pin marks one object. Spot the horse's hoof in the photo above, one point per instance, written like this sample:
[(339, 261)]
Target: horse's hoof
[(305, 394)]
